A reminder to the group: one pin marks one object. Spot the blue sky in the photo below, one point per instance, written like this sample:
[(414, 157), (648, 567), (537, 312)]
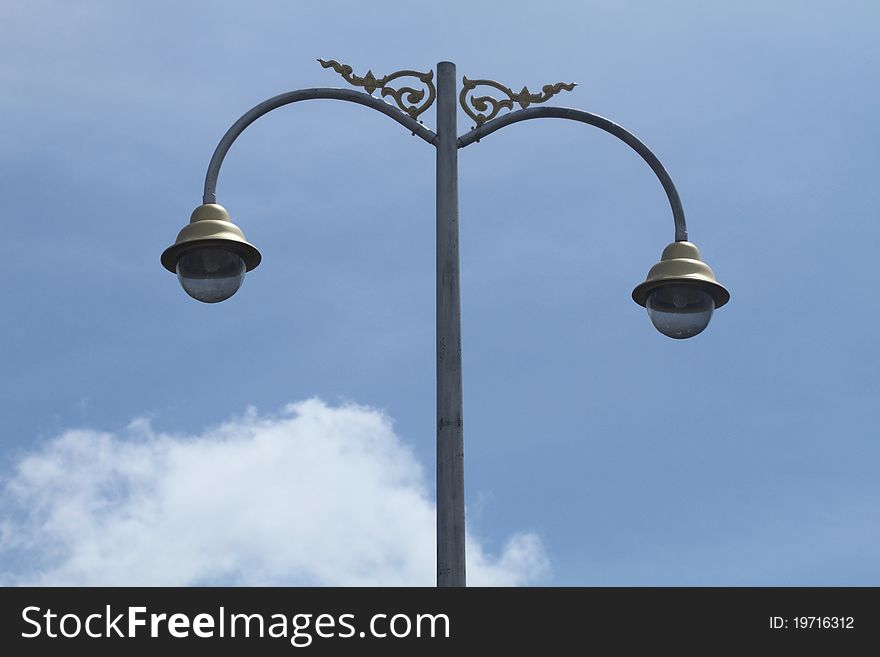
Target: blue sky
[(598, 452)]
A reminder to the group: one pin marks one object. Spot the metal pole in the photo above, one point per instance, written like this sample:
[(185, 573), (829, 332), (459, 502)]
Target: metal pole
[(628, 138), (450, 434), (210, 195)]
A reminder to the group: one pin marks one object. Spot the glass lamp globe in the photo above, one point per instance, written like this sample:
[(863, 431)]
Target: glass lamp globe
[(210, 273), (680, 311)]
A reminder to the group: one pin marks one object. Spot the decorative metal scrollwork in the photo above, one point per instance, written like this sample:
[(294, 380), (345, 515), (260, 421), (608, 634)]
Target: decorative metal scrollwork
[(525, 98), (406, 98)]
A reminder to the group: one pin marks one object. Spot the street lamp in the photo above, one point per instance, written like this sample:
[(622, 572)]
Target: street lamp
[(211, 254)]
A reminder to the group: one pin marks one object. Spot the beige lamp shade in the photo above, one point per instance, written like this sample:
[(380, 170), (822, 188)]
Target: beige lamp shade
[(210, 225), (680, 264)]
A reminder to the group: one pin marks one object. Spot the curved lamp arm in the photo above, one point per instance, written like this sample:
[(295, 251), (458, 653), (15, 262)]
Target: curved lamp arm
[(210, 195), (600, 122)]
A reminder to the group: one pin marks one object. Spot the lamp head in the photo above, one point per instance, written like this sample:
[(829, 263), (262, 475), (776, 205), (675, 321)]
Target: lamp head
[(210, 255), (680, 292)]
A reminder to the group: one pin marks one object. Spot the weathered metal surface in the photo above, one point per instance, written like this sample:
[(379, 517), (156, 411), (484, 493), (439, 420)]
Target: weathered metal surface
[(450, 430)]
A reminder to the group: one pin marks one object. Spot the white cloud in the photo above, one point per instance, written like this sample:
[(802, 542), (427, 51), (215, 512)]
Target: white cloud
[(313, 496)]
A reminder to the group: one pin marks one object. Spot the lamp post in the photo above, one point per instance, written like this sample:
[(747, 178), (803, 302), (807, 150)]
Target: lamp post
[(211, 254)]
